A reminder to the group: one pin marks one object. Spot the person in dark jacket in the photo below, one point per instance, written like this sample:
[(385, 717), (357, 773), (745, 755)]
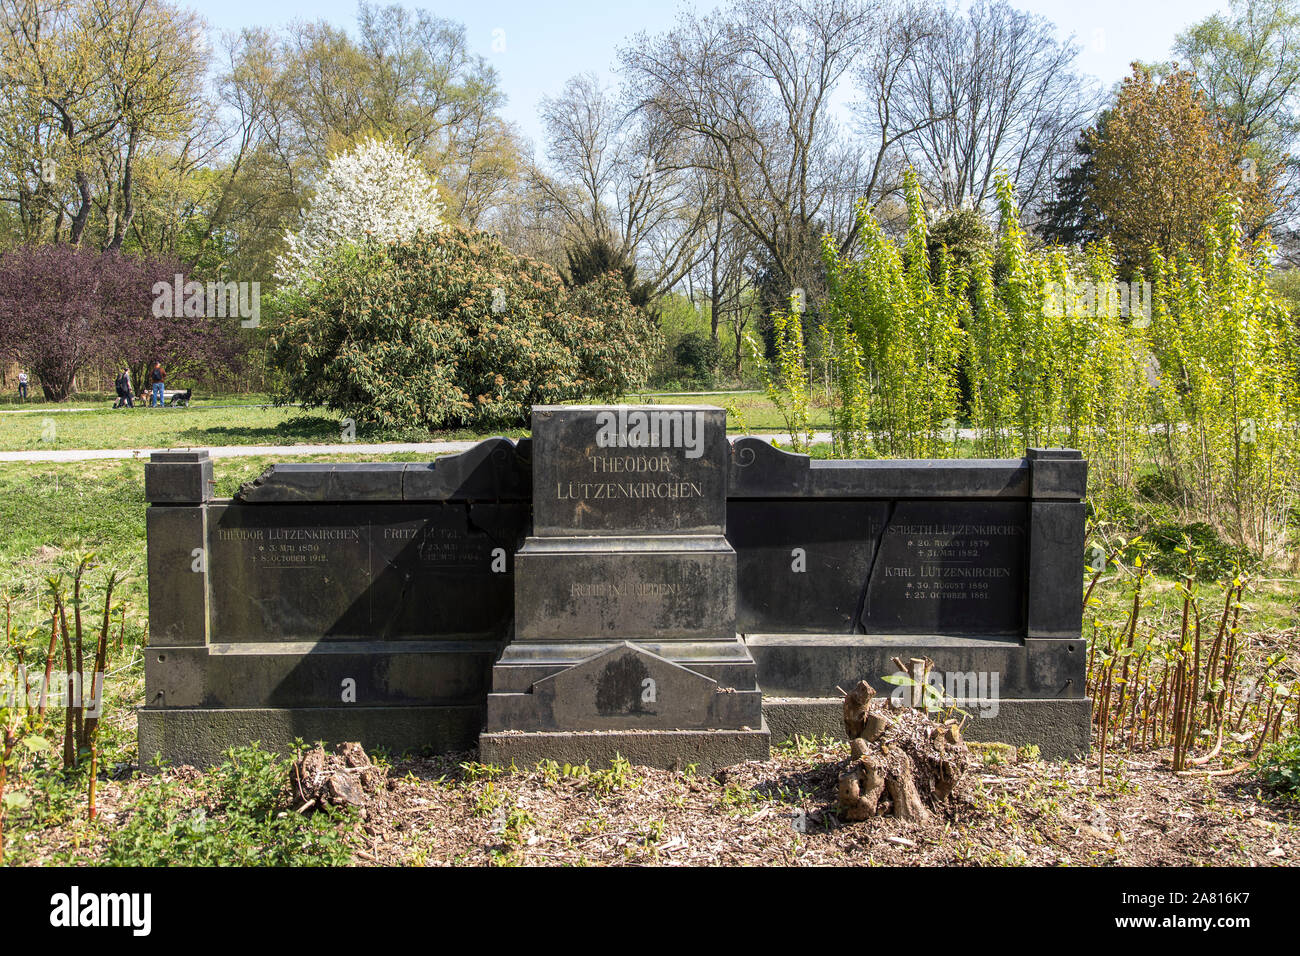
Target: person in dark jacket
[(125, 396)]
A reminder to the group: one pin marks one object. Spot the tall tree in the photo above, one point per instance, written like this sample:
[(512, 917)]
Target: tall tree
[(1247, 63), (101, 86), (989, 88), (1162, 163), (748, 89), (621, 179)]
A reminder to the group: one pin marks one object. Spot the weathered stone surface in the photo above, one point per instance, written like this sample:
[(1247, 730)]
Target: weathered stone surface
[(945, 567), (316, 482), (805, 665), (760, 471), (1059, 473), (626, 687), (678, 587), (653, 469), (1054, 593), (178, 580), (802, 566), (493, 470), (304, 572), (344, 674), (178, 477), (368, 601)]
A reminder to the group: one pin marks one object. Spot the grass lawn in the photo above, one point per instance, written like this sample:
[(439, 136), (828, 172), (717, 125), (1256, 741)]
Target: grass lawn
[(213, 423)]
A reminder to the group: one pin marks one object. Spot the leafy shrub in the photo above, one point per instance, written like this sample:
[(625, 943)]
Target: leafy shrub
[(453, 329), (697, 355), (1215, 558), (895, 338), (1157, 486), (247, 822), (1278, 765)]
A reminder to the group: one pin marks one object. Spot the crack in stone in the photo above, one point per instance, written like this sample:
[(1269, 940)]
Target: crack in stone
[(860, 612)]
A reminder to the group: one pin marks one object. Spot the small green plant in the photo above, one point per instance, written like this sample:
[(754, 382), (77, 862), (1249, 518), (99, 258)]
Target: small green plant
[(488, 801), (243, 819), (1278, 765), (618, 776), (472, 771), (786, 380)]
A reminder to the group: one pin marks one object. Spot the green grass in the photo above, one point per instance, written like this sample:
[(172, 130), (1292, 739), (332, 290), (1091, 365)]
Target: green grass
[(199, 425), (751, 411), (215, 423)]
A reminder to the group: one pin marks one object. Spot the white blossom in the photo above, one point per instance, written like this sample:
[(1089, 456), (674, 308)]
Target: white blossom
[(372, 190)]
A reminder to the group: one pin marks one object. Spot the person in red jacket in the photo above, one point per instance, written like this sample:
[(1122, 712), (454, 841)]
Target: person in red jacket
[(157, 377)]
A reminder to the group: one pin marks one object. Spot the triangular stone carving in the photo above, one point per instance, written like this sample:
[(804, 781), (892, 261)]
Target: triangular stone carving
[(627, 686)]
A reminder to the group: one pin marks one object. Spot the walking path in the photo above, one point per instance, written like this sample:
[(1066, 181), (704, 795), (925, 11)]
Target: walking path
[(430, 448)]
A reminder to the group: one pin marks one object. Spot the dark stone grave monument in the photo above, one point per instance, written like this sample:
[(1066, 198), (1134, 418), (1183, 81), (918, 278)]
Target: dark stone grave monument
[(627, 581), (625, 598)]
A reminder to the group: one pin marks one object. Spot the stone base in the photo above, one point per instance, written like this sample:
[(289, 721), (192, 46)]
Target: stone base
[(200, 736), (631, 687), (1061, 729), (707, 750), (635, 587), (823, 665)]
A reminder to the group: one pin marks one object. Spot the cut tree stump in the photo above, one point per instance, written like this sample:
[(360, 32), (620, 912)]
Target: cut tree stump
[(903, 762), (343, 778)]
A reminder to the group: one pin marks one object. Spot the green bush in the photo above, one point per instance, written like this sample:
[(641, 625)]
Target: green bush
[(1278, 765), (245, 820), (453, 330), (697, 356), (1215, 558)]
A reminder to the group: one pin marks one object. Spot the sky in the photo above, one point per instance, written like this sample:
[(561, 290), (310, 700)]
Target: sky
[(536, 45)]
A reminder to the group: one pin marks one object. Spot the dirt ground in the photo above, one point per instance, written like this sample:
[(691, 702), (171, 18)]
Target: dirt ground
[(452, 811)]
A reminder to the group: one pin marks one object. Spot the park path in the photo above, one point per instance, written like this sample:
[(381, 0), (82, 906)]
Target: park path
[(243, 451)]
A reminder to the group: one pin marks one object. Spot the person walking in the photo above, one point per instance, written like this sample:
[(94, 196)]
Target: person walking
[(125, 397), (158, 377), (22, 385)]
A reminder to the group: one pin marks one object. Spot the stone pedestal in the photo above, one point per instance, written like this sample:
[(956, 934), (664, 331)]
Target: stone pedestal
[(625, 598)]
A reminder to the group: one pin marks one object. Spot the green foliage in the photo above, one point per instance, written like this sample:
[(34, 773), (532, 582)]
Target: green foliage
[(964, 234), (697, 355), (246, 821), (896, 339), (454, 330), (1215, 558), (786, 379), (597, 258), (1226, 398), (1195, 370), (1278, 765)]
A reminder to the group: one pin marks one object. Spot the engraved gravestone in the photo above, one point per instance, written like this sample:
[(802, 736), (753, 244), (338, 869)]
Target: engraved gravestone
[(627, 572), (949, 567)]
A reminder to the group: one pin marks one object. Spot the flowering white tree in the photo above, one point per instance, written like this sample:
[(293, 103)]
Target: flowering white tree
[(373, 190)]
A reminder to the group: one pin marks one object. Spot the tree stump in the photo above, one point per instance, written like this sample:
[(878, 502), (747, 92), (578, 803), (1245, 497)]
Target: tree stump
[(343, 778), (903, 762)]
